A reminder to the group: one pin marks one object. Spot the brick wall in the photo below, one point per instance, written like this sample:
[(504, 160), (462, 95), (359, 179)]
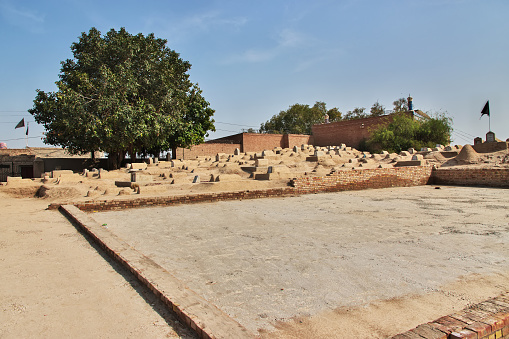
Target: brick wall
[(291, 140), (491, 177), (246, 142), (350, 132), (207, 149), (364, 179), (486, 320), (255, 142)]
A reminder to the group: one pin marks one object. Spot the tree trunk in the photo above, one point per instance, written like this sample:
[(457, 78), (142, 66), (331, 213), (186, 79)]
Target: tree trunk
[(115, 159)]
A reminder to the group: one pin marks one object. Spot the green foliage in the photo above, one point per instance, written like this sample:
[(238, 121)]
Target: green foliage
[(299, 118), (357, 113), (123, 93), (400, 105), (404, 132), (377, 110)]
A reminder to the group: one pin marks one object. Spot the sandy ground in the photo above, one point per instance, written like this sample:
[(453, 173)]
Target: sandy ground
[(341, 265), (55, 284)]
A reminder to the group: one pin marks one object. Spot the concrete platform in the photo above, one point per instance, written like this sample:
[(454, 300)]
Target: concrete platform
[(266, 261)]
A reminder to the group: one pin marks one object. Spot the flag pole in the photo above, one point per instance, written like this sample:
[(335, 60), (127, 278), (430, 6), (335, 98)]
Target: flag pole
[(26, 136)]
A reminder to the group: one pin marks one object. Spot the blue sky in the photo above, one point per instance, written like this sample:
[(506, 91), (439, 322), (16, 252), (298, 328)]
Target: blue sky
[(253, 59)]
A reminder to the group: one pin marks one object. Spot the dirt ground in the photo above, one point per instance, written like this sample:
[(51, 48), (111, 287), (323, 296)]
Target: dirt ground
[(56, 284), (333, 265)]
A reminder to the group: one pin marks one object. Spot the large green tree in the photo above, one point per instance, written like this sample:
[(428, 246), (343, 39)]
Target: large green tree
[(123, 94), (299, 118)]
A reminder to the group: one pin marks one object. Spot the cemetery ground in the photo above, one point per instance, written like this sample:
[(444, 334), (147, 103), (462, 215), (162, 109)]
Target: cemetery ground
[(354, 264)]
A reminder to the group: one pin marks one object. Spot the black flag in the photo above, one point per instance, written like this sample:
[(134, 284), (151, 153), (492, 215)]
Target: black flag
[(486, 109), (20, 124)]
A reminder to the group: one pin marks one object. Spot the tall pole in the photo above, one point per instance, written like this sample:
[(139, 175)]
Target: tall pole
[(26, 136)]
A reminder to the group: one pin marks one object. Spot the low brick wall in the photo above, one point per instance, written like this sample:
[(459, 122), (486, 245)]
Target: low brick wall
[(486, 320), (364, 179), (119, 204), (490, 177), (206, 149)]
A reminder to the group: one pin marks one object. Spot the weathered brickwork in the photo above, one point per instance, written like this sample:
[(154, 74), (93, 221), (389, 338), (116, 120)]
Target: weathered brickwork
[(245, 142), (207, 149), (491, 177), (364, 179), (486, 320), (350, 132), (291, 140)]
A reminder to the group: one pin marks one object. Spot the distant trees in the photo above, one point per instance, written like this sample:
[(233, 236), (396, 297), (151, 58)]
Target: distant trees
[(299, 118), (404, 132)]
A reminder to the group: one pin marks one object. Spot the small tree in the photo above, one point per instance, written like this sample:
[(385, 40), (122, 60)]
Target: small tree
[(123, 93), (400, 105), (377, 110)]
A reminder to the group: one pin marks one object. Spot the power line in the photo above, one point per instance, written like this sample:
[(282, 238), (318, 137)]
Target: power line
[(23, 138), (14, 122), (227, 123), (470, 135)]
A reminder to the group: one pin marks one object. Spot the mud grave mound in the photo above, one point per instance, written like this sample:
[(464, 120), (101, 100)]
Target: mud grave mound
[(467, 155)]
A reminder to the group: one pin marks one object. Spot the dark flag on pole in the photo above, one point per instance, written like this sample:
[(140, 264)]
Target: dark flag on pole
[(20, 124), (486, 109)]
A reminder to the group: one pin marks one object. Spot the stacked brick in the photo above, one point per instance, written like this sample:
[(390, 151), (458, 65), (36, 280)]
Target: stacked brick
[(491, 177), (118, 204), (486, 320), (207, 149), (364, 179)]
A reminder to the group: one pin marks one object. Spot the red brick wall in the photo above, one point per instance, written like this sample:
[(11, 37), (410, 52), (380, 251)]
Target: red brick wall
[(290, 140), (350, 132), (207, 149), (364, 179), (492, 177), (254, 142)]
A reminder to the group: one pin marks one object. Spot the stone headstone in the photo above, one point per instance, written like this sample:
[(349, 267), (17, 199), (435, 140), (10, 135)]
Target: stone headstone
[(261, 162), (295, 149), (490, 137), (196, 179), (236, 152)]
